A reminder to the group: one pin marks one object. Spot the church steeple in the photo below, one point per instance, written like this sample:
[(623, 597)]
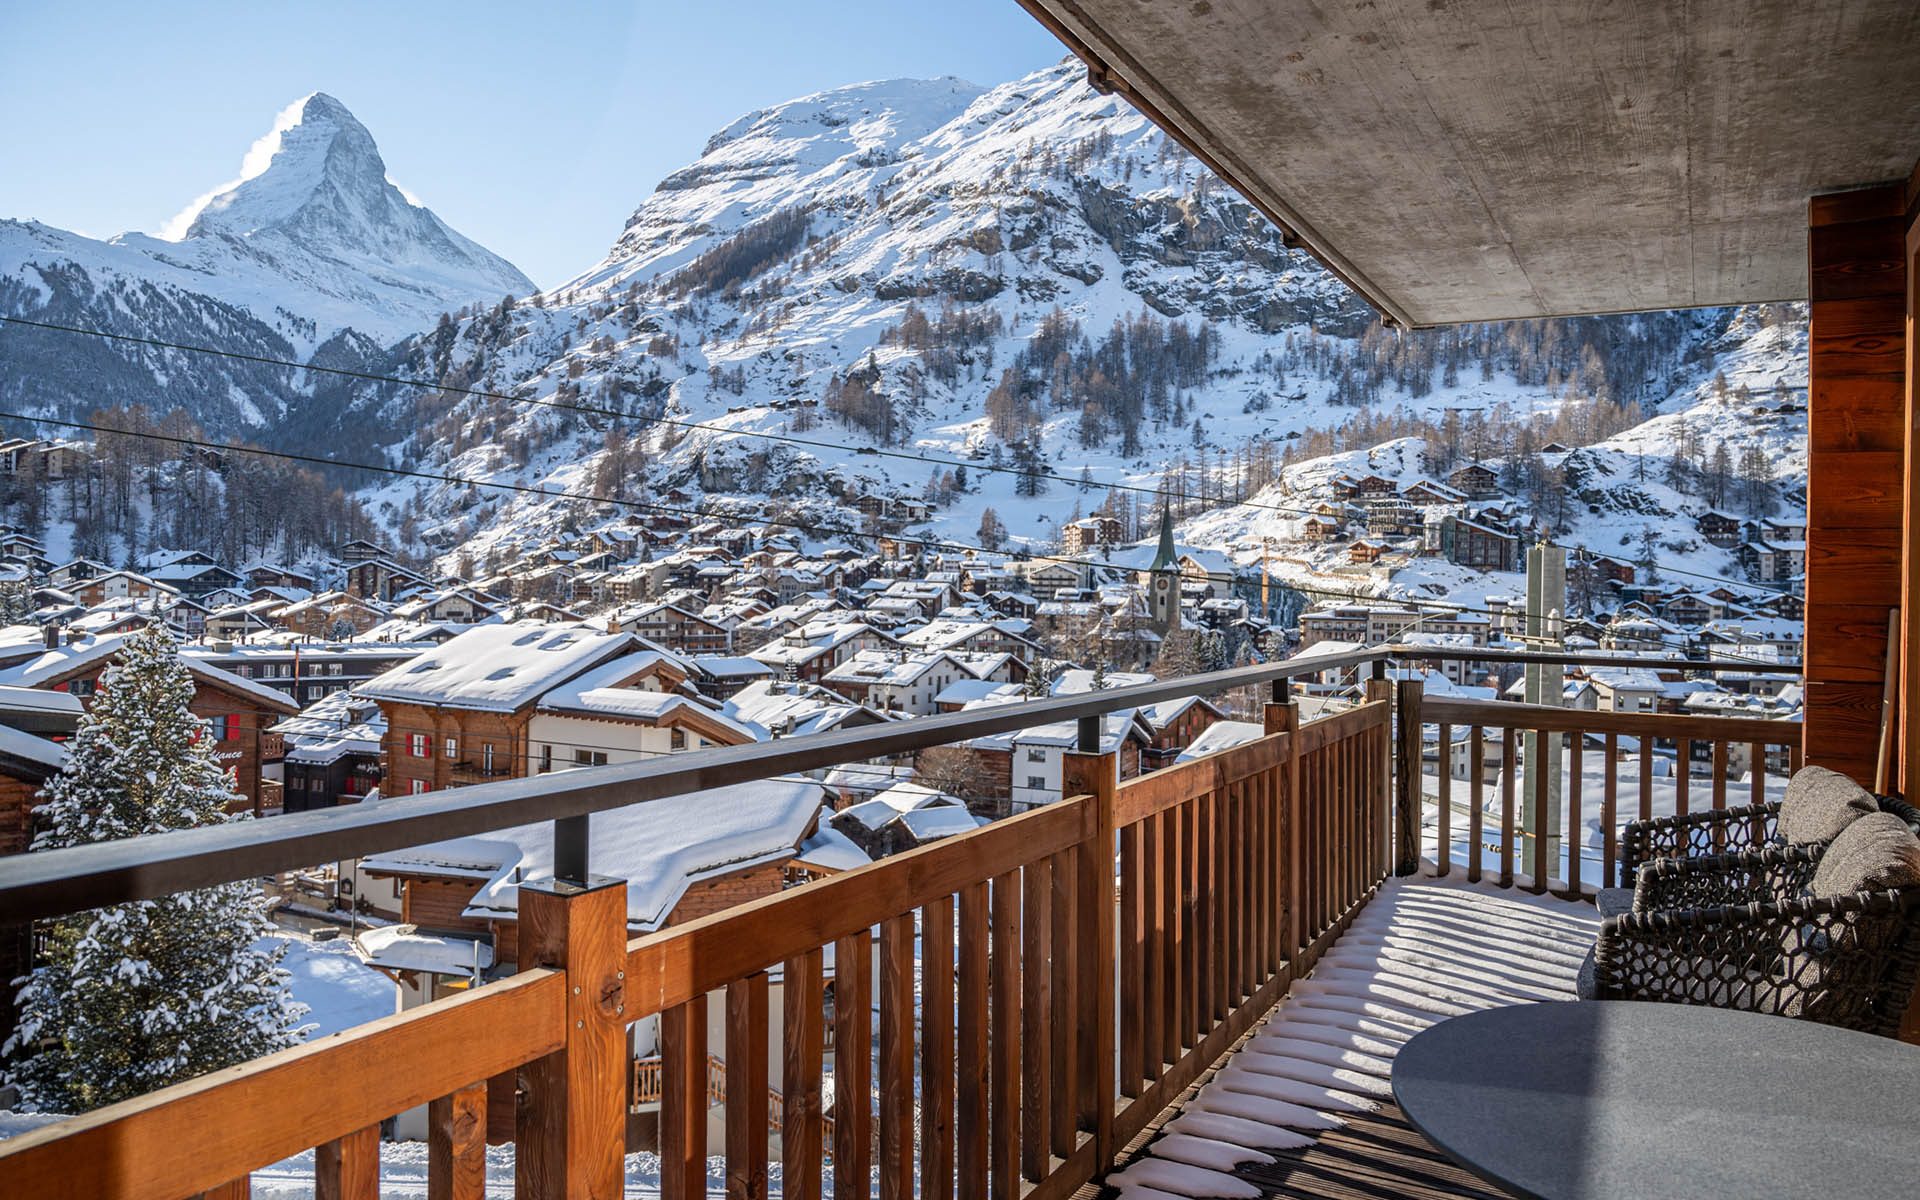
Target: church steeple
[(1165, 560), (1163, 580)]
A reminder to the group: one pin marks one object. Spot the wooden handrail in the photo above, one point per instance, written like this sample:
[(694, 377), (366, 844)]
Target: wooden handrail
[(1554, 719), (194, 1136)]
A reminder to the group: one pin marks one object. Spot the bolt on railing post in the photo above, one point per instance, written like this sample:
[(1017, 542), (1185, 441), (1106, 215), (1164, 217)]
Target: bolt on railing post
[(1096, 775), (1407, 767), (570, 1131)]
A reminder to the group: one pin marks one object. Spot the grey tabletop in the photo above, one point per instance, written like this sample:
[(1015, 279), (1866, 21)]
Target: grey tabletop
[(1621, 1099)]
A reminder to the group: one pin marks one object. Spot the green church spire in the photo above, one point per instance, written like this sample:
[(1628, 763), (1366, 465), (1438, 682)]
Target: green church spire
[(1165, 559)]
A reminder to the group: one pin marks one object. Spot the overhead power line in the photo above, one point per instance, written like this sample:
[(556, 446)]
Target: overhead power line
[(1161, 493), (803, 527)]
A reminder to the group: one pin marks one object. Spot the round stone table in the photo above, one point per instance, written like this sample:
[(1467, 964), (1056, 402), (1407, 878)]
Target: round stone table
[(1612, 1099)]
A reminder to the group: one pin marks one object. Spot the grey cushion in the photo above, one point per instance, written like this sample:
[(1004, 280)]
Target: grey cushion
[(1614, 902), (1819, 804), (1872, 854)]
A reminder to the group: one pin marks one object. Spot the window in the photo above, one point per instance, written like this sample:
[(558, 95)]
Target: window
[(1035, 754), (333, 668), (418, 746), (417, 786), (81, 687), (453, 748), (224, 728), (315, 691), (546, 759), (589, 758), (486, 756), (677, 739), (1037, 781)]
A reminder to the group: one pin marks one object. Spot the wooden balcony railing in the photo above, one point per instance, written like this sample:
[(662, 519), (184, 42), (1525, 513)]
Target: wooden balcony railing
[(649, 1089), (1045, 984), (1583, 736)]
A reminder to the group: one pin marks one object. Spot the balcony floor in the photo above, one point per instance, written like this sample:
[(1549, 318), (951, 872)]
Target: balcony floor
[(1302, 1107)]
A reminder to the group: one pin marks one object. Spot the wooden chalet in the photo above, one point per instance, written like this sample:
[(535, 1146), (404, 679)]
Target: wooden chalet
[(238, 712), (458, 714), (1475, 482)]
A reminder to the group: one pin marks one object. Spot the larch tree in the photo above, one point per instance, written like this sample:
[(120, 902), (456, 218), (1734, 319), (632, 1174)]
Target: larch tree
[(136, 996)]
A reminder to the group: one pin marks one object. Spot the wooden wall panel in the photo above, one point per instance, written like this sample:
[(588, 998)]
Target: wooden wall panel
[(1858, 485), (1909, 681)]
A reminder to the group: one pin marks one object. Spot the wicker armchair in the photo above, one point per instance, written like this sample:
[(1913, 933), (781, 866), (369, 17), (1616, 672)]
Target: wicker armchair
[(1718, 832), (1742, 931), (1696, 835)]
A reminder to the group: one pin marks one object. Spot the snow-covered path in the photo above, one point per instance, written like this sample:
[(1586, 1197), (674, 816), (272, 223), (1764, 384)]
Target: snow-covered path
[(1422, 950)]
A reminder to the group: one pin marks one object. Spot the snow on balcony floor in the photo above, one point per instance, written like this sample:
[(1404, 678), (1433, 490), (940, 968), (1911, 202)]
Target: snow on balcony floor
[(1424, 949)]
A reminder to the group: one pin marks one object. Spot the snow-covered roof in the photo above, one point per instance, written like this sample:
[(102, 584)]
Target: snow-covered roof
[(1160, 715), (455, 858), (887, 667), (636, 704), (660, 847), (731, 666), (38, 700), (830, 850), (1222, 735), (1075, 680), (405, 948), (71, 657), (966, 690), (32, 748), (927, 824), (499, 667)]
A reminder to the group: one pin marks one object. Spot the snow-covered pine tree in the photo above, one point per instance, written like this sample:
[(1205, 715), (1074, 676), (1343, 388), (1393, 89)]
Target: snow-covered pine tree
[(137, 996)]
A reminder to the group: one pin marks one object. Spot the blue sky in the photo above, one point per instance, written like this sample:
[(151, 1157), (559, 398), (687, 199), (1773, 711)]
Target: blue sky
[(534, 127)]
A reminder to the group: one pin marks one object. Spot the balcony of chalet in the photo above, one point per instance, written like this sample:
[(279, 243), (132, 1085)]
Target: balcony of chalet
[(1196, 982)]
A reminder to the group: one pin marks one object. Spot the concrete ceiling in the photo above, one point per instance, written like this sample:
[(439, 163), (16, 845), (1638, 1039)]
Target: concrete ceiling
[(1466, 160)]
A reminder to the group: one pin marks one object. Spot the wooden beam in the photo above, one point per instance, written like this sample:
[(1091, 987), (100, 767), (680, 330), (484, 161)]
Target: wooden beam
[(571, 1133)]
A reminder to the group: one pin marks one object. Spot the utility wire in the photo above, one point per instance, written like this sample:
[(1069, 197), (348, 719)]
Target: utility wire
[(793, 439)]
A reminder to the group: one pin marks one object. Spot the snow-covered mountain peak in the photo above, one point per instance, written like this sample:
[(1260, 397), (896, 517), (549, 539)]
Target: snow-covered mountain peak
[(311, 248), (315, 191), (860, 116), (316, 153)]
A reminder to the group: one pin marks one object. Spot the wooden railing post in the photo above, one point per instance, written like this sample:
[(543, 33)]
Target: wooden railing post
[(571, 1131), (1407, 768), (457, 1145), (1096, 775), (1376, 785), (348, 1168), (1284, 717)]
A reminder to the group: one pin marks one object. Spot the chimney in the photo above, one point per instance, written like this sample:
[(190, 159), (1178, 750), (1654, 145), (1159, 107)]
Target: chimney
[(50, 636)]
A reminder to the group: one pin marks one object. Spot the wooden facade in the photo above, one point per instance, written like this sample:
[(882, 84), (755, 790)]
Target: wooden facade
[(429, 748), (1860, 477)]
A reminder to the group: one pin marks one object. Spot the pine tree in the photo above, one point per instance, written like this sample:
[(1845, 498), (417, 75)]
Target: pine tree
[(137, 996)]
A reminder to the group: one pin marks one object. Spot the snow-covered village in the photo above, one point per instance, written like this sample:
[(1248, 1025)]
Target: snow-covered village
[(925, 638)]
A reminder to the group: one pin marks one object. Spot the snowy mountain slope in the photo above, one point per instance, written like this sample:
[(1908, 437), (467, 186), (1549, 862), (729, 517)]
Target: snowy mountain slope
[(313, 251), (1023, 276)]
